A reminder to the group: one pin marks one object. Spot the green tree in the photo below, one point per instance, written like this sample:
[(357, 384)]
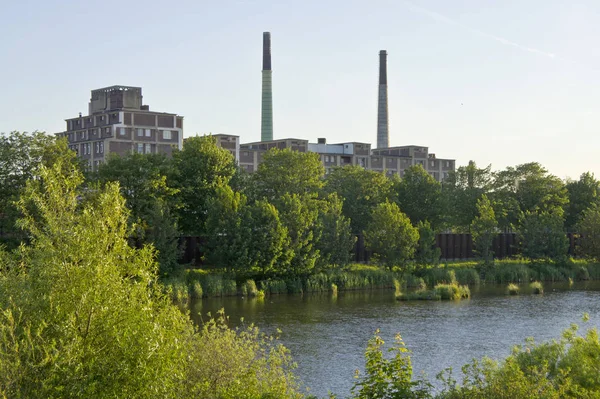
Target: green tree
[(388, 378), (390, 235), (361, 190), (336, 240), (83, 316), (526, 188), (226, 241), (199, 168), (542, 236), (427, 251), (287, 172), (420, 197), (462, 188), (268, 249), (151, 200), (21, 154), (583, 194), (589, 229), (299, 216), (484, 229)]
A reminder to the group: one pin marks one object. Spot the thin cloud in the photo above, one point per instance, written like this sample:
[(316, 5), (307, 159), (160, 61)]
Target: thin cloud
[(442, 18)]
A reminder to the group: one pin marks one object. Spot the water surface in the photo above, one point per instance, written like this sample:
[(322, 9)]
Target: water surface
[(327, 335)]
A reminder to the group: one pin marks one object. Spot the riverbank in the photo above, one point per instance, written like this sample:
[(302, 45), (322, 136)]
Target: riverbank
[(199, 283)]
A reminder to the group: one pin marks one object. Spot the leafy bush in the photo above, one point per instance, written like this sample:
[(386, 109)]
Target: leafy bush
[(512, 289), (536, 287)]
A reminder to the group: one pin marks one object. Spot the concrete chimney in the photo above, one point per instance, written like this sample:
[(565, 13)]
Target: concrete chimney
[(383, 124), (266, 127)]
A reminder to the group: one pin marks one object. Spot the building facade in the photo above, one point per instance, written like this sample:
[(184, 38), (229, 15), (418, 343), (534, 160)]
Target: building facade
[(390, 161), (119, 123)]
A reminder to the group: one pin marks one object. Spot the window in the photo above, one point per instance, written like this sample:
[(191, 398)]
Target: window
[(122, 131), (107, 130), (147, 132), (166, 134), (140, 132), (88, 150), (140, 148), (432, 163), (97, 147), (447, 164), (148, 148), (101, 147)]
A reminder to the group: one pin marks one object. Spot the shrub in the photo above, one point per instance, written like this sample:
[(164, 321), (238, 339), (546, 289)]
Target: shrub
[(334, 289), (452, 291), (512, 289), (196, 290), (537, 287), (249, 289), (273, 286)]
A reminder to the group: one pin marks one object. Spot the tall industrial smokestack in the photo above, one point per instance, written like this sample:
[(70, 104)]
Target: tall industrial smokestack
[(383, 124), (266, 127)]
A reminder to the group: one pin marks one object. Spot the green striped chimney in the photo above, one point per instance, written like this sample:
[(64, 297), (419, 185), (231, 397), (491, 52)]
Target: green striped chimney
[(266, 121), (383, 125)]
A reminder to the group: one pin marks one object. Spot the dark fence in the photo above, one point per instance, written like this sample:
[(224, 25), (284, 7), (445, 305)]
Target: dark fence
[(452, 247)]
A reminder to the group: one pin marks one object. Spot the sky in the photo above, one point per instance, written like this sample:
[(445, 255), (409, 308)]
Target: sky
[(500, 82)]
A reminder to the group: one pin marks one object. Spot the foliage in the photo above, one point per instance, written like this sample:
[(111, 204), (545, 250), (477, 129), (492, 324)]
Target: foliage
[(536, 287), (564, 368), (512, 289), (238, 363), (83, 315), (390, 235), (361, 190), (483, 229), (463, 187), (427, 251), (420, 197), (388, 378), (150, 199), (336, 241), (287, 172), (542, 236), (199, 168), (583, 194), (589, 229), (299, 215), (21, 155)]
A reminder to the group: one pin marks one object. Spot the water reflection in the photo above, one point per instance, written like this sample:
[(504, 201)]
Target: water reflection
[(327, 335)]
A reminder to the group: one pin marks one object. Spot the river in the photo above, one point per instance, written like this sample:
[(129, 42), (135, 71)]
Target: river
[(327, 335)]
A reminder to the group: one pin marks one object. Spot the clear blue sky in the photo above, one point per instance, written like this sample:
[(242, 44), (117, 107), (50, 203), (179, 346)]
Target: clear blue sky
[(501, 82)]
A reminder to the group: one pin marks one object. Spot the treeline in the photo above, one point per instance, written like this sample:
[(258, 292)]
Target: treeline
[(289, 218)]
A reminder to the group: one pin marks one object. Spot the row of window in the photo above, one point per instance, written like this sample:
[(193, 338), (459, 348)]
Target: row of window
[(78, 122), (144, 148), (140, 132)]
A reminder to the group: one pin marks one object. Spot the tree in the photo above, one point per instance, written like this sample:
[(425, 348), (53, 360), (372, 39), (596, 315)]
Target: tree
[(420, 197), (483, 229), (542, 236), (287, 172), (21, 154), (268, 249), (151, 200), (299, 216), (583, 194), (427, 251), (226, 238), (526, 188), (84, 316), (361, 190), (390, 235), (336, 240), (200, 167), (589, 229), (463, 188)]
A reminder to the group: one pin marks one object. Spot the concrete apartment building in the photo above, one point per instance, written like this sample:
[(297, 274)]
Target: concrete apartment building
[(118, 122)]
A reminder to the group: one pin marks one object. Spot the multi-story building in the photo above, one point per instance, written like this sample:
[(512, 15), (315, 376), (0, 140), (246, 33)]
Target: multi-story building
[(391, 161), (119, 123)]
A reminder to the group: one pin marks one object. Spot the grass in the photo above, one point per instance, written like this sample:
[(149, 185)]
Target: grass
[(536, 287), (197, 283), (451, 292), (512, 289)]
